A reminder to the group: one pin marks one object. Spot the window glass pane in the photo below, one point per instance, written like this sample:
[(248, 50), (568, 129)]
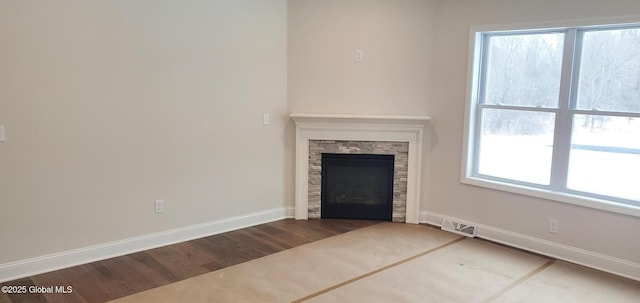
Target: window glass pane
[(610, 71), (516, 145), (605, 156), (524, 70)]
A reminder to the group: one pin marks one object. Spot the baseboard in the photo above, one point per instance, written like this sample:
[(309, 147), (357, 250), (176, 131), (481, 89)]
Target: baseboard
[(42, 264), (559, 251), (290, 212), (423, 218)]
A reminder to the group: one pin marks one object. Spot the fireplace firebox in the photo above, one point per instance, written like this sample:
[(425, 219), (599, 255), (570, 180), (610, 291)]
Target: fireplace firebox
[(357, 186)]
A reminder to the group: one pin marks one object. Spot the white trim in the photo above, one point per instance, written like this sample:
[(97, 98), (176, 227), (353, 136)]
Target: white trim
[(359, 118), (555, 250), (350, 127), (473, 74), (424, 218), (470, 152), (289, 212), (37, 265), (558, 25), (594, 203)]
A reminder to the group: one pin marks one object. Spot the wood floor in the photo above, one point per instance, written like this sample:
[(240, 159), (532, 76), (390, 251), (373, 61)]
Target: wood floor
[(122, 276)]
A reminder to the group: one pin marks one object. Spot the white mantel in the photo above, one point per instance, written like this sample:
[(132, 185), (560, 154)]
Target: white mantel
[(354, 127)]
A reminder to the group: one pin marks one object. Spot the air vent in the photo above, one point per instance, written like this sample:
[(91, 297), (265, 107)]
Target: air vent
[(459, 228)]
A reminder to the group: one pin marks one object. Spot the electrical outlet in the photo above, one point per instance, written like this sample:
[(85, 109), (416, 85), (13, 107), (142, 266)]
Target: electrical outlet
[(159, 206), (553, 226), (359, 55)]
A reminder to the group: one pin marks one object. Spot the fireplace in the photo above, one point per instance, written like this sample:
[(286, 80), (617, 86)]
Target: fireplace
[(359, 134), (357, 186), (399, 151)]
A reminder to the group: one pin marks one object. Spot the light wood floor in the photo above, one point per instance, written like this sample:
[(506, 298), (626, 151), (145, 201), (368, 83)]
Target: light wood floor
[(122, 276), (462, 269)]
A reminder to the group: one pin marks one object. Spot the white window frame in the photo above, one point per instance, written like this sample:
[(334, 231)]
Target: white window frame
[(556, 191)]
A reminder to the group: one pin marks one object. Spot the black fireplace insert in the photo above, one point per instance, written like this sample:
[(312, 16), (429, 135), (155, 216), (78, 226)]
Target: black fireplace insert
[(357, 186)]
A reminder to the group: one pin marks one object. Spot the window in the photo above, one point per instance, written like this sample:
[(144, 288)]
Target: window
[(557, 113)]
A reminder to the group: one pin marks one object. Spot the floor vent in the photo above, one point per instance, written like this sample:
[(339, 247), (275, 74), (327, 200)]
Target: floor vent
[(459, 228)]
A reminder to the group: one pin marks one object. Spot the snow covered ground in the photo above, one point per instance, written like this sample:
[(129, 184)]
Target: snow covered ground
[(604, 160)]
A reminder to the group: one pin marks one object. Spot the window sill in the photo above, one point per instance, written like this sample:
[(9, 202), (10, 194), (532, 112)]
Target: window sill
[(588, 202)]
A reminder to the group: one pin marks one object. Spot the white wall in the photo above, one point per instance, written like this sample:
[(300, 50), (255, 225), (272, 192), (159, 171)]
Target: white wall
[(600, 232), (109, 105)]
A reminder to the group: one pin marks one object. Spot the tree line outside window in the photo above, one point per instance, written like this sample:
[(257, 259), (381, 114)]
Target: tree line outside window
[(536, 87)]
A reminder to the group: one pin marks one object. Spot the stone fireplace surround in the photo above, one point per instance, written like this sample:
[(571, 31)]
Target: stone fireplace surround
[(353, 129), (398, 149)]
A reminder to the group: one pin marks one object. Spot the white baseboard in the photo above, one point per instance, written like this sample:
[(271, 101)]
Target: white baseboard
[(290, 212), (559, 251), (37, 265)]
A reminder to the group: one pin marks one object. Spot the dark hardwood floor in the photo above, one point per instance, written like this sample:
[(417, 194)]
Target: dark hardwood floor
[(122, 276)]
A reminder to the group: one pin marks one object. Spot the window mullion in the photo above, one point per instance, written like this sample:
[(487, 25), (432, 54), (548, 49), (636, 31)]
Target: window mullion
[(563, 123)]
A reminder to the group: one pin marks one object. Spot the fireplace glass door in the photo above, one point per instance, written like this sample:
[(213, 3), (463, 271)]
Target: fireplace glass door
[(357, 186)]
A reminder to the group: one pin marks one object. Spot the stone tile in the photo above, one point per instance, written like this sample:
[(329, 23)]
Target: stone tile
[(400, 150)]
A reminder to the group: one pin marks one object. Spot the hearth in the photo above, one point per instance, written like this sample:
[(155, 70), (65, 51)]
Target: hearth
[(357, 186)]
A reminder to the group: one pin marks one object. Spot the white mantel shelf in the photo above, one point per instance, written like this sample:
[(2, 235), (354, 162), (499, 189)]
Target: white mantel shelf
[(358, 118), (358, 127)]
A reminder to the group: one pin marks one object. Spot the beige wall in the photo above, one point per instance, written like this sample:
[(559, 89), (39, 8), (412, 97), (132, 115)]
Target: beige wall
[(597, 231), (396, 37), (109, 105), (394, 78), (416, 63)]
